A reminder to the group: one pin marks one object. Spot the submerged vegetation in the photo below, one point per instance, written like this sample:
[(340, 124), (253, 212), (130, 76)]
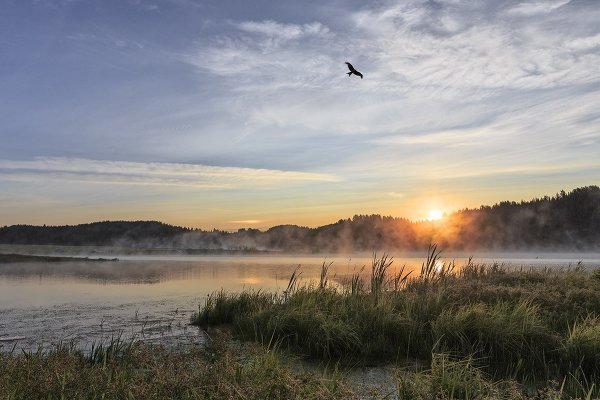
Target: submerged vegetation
[(465, 331)]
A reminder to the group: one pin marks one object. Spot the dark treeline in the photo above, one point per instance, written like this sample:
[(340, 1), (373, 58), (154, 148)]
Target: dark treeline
[(565, 221), (103, 233)]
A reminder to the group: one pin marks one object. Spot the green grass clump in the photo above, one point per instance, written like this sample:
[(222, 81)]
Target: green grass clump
[(459, 379), (583, 345), (225, 308), (562, 296), (508, 334), (455, 378)]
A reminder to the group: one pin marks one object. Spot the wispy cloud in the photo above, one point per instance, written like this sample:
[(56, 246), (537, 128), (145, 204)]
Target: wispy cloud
[(246, 222), (526, 168), (537, 7), (267, 55), (167, 174), (106, 39), (279, 31), (397, 195)]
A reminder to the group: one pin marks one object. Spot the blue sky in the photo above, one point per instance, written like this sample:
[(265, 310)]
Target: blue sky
[(236, 113)]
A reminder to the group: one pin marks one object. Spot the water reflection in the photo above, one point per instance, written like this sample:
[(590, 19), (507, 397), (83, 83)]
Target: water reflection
[(153, 298)]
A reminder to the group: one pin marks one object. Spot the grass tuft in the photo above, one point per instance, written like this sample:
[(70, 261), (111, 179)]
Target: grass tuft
[(583, 345)]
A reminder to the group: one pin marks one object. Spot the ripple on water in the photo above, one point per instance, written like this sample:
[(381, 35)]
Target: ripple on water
[(160, 322)]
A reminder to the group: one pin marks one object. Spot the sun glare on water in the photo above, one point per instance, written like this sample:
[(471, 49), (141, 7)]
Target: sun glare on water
[(435, 215)]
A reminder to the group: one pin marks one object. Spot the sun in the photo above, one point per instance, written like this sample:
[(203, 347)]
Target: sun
[(435, 215)]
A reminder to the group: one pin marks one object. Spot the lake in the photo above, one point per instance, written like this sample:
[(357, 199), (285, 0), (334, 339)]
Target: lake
[(153, 297)]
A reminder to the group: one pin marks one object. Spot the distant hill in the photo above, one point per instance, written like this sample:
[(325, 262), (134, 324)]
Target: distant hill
[(96, 233), (567, 220), (564, 221)]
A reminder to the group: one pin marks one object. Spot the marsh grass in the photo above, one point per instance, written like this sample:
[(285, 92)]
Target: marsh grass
[(104, 352), (429, 268), (357, 284), (531, 325), (399, 280), (509, 335), (227, 307), (221, 371), (324, 277), (293, 282), (583, 345), (379, 271), (450, 377), (459, 378)]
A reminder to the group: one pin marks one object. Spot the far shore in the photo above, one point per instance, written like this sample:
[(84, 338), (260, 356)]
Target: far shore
[(16, 258)]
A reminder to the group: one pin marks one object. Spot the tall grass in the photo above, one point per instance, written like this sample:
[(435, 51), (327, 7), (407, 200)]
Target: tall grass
[(459, 378), (104, 352), (357, 284), (225, 308), (293, 282), (430, 270), (324, 277), (509, 335), (379, 270), (583, 345), (450, 377), (141, 372), (399, 280)]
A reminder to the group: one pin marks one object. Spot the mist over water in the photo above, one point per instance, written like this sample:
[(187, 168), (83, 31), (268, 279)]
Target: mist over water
[(152, 297)]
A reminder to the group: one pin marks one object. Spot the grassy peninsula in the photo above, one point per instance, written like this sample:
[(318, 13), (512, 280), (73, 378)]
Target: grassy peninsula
[(474, 331)]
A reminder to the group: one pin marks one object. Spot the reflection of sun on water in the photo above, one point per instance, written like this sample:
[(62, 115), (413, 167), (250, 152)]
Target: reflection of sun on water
[(439, 266), (251, 281), (435, 215)]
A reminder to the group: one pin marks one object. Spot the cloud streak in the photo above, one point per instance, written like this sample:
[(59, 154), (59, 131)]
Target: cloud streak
[(163, 174)]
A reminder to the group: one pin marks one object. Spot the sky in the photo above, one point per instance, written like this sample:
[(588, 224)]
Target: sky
[(229, 113)]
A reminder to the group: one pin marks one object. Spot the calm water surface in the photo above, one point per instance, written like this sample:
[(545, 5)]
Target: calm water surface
[(152, 297)]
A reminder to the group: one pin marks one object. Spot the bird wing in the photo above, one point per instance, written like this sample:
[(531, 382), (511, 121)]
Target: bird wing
[(359, 74), (350, 67)]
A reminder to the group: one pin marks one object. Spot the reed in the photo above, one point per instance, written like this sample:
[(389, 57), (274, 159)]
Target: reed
[(324, 278), (357, 284), (379, 270), (430, 267), (293, 282)]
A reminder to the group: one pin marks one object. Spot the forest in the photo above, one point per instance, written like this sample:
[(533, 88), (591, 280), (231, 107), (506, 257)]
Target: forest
[(568, 220)]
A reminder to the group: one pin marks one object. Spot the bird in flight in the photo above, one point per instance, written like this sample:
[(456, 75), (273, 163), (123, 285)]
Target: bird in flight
[(353, 71)]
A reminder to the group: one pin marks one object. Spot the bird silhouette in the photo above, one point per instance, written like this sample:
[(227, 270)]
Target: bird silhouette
[(353, 71)]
